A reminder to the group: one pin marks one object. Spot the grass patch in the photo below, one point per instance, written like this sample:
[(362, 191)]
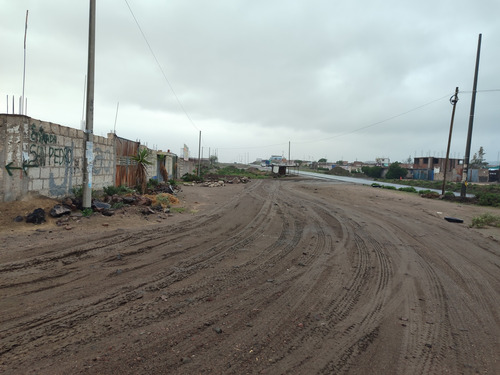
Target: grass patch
[(488, 199), (87, 212), (118, 205), (179, 210), (117, 190), (486, 219), (409, 189)]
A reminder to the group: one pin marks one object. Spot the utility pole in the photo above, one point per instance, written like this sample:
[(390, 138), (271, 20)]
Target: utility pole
[(453, 101), (465, 173), (22, 110), (88, 160), (199, 155), (116, 117)]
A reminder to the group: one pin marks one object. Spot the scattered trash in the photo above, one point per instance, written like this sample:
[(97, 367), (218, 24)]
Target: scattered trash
[(36, 217), (100, 206), (453, 219), (59, 210), (108, 212), (148, 211)]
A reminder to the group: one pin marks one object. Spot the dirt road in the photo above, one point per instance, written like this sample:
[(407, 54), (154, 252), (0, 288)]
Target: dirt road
[(288, 276)]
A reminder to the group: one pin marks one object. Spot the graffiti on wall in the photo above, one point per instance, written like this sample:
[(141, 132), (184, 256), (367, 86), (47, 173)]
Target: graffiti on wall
[(103, 162), (64, 186), (44, 151)]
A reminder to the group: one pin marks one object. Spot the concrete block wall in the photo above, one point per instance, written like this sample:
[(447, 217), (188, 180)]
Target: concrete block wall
[(186, 166), (47, 158)]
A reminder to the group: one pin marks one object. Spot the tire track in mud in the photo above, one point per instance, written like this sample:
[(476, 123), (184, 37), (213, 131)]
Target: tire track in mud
[(115, 239), (72, 317), (270, 299), (436, 323), (296, 288), (338, 309), (124, 245)]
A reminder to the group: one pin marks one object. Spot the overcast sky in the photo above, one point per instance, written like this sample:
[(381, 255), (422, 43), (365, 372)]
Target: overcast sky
[(351, 80)]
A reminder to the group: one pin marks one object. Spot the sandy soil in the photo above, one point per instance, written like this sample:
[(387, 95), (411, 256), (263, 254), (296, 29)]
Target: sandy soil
[(287, 276)]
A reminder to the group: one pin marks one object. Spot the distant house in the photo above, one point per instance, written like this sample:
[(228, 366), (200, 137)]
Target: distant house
[(494, 173), (277, 159), (430, 168), (383, 162)]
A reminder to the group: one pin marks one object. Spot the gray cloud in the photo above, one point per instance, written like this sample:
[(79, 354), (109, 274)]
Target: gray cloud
[(256, 73)]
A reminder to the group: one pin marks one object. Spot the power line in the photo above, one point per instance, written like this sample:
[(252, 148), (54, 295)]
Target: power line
[(470, 92), (160, 67), (352, 131), (378, 122)]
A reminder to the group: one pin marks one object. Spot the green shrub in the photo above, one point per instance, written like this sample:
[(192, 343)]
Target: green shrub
[(427, 191), (152, 183), (409, 189), (117, 190), (77, 191), (339, 171), (488, 199), (110, 190), (188, 177), (389, 187), (118, 205), (374, 172), (486, 219), (87, 212), (396, 171)]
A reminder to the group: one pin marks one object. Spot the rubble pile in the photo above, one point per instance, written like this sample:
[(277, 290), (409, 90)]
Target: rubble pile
[(163, 199), (222, 181), (213, 183), (71, 207)]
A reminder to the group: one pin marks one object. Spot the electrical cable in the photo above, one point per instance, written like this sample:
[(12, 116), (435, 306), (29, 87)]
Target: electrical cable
[(364, 127), (160, 67)]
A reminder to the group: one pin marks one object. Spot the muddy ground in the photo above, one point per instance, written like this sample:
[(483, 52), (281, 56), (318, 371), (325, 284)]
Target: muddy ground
[(287, 276)]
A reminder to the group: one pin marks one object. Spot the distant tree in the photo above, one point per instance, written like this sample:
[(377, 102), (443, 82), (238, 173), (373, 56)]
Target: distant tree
[(478, 161), (374, 172), (338, 171), (339, 162), (213, 160), (322, 160), (396, 171), (409, 160), (298, 162)]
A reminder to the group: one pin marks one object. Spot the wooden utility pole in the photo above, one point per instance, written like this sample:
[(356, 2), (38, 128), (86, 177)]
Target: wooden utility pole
[(453, 101), (465, 173), (88, 160)]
